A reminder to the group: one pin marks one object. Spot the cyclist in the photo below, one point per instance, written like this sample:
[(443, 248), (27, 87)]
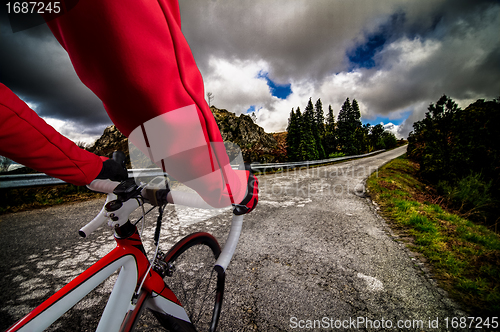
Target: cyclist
[(134, 57)]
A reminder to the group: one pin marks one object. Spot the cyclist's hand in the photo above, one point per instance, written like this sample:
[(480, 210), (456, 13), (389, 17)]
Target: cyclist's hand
[(250, 201), (113, 171)]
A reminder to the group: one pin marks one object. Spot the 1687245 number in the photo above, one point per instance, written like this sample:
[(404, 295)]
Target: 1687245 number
[(471, 322), (38, 7)]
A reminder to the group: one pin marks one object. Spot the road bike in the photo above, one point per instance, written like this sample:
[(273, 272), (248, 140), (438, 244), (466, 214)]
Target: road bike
[(183, 288)]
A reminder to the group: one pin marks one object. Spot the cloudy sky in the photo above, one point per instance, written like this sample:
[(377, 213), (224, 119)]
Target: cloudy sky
[(269, 56)]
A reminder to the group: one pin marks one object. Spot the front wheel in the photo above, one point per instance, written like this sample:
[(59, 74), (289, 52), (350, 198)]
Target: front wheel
[(192, 278)]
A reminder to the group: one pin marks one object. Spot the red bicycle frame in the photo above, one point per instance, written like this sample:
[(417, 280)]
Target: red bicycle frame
[(120, 312)]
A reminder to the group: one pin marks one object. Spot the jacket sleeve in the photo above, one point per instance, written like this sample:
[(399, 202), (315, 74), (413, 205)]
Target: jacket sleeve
[(29, 140), (133, 55)]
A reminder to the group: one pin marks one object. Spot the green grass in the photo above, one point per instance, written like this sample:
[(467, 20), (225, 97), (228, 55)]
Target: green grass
[(464, 256)]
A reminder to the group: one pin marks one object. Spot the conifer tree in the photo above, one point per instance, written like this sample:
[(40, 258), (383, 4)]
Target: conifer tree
[(293, 136), (301, 135), (319, 132), (320, 118), (308, 150), (348, 122), (309, 113), (360, 133), (330, 140), (343, 130), (355, 112)]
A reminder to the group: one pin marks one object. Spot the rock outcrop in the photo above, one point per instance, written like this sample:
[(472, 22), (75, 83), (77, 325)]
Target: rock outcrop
[(256, 145), (111, 140)]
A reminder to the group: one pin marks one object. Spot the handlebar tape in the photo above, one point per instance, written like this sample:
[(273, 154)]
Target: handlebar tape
[(103, 186)]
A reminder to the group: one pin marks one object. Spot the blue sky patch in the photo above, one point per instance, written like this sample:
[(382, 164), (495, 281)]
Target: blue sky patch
[(280, 91), (362, 56), (251, 109), (386, 120)]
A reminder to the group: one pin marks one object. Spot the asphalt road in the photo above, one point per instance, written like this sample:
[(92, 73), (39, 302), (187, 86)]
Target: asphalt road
[(315, 251)]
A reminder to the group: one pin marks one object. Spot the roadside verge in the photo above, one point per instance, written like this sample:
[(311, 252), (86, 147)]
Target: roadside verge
[(462, 256)]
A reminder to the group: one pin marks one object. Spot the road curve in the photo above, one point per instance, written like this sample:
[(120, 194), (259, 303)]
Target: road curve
[(315, 253)]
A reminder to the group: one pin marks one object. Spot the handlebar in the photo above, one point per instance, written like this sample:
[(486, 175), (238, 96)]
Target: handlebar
[(229, 248), (195, 200), (98, 220), (189, 199)]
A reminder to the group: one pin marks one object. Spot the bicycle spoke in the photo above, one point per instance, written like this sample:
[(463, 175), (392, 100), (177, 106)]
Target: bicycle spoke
[(207, 295), (195, 282)]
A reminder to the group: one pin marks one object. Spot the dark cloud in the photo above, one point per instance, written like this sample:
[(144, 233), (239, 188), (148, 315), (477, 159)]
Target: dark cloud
[(406, 53), (298, 39), (454, 52), (311, 39), (38, 70)]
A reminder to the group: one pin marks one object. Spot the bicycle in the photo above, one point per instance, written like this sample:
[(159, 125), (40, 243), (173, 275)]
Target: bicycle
[(169, 285)]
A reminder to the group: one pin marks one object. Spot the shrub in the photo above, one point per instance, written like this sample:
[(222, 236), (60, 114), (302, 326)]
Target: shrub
[(457, 150), (471, 195), (336, 155), (389, 141)]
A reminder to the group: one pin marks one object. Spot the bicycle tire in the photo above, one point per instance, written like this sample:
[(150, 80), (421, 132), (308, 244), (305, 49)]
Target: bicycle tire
[(199, 288)]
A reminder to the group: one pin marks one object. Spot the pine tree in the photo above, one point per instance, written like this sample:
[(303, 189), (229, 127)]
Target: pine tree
[(348, 123), (293, 136), (320, 118), (308, 149), (355, 112), (319, 132), (359, 133), (309, 113), (343, 130), (301, 135), (330, 140)]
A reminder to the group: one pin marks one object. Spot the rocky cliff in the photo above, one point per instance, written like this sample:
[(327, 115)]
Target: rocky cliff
[(111, 140), (255, 143)]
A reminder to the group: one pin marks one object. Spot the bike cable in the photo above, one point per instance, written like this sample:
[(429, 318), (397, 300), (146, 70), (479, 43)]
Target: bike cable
[(157, 244), (143, 216)]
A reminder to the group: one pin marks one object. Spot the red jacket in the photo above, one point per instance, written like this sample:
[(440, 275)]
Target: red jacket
[(133, 56), (27, 139)]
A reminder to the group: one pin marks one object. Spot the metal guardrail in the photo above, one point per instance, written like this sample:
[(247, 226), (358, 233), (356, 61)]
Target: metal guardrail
[(41, 179), (263, 167)]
